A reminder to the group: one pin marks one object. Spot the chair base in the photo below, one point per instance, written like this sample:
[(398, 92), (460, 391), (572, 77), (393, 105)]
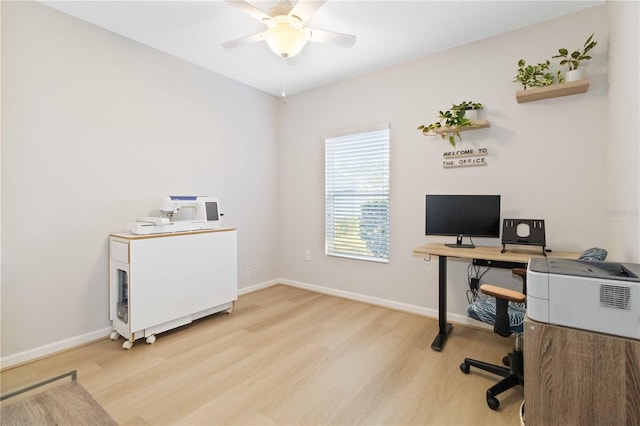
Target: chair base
[(513, 376)]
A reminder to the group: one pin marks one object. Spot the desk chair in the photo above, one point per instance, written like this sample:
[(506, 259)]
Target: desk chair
[(507, 319), (505, 309)]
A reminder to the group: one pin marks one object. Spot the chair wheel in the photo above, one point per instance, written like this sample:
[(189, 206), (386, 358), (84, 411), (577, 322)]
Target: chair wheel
[(464, 367), (492, 402), (506, 361)]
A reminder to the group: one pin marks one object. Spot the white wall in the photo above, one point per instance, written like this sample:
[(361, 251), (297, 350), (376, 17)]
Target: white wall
[(546, 158), (622, 208), (96, 128)]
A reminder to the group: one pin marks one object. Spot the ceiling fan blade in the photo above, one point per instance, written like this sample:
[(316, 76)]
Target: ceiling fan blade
[(244, 40), (250, 10), (337, 39), (304, 9)]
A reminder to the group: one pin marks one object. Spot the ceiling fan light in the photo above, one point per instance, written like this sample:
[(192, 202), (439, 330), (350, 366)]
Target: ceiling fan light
[(285, 40)]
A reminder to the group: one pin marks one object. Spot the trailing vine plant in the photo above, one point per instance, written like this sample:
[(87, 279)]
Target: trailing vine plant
[(453, 119), (535, 75)]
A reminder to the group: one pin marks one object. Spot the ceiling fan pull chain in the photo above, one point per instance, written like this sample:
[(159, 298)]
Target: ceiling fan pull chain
[(284, 96)]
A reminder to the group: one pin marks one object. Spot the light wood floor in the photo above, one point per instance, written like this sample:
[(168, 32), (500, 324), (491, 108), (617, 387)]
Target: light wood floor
[(290, 357)]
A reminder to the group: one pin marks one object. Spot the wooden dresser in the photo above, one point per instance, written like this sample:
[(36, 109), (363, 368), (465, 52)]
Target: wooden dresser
[(577, 377)]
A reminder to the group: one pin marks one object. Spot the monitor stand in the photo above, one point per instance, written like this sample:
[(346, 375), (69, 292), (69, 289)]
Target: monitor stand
[(459, 244)]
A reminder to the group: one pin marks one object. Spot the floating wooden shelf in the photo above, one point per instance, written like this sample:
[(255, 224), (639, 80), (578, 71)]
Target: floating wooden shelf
[(478, 124), (552, 91)]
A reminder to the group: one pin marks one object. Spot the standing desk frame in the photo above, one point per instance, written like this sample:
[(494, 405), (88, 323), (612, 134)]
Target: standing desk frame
[(480, 255)]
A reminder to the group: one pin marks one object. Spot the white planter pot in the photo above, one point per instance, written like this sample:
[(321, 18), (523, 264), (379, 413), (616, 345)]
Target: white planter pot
[(471, 114), (574, 75)]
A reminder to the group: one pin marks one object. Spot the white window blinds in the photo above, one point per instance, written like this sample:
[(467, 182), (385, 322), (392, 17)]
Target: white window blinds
[(357, 195)]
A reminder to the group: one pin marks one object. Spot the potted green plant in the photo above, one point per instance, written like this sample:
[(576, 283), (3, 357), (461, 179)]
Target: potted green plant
[(573, 59), (453, 120), (470, 109), (535, 75)]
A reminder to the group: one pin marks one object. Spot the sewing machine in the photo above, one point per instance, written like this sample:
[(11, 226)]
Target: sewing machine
[(180, 213)]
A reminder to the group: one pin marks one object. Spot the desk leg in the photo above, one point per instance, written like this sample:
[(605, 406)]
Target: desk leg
[(444, 328)]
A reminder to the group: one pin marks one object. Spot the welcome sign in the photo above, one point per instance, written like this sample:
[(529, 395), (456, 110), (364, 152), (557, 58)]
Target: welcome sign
[(465, 158)]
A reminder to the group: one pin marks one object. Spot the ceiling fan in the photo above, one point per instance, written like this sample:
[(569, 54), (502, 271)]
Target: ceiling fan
[(286, 34)]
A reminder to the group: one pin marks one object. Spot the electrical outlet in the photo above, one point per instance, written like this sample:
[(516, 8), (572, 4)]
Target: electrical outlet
[(247, 272), (307, 254)]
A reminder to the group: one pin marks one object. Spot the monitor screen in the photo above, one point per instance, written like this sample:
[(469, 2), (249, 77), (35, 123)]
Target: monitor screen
[(468, 215)]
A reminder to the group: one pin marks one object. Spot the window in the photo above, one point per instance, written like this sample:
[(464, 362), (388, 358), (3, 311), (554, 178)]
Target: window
[(357, 195)]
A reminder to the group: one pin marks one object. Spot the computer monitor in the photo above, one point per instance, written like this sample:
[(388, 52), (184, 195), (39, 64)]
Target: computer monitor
[(463, 216)]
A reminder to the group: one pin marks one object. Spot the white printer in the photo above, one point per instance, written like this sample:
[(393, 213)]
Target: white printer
[(597, 296)]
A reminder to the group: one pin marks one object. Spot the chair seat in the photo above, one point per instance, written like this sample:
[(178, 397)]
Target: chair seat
[(484, 309)]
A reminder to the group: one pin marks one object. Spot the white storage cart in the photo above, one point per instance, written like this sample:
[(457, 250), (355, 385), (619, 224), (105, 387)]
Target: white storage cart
[(162, 281)]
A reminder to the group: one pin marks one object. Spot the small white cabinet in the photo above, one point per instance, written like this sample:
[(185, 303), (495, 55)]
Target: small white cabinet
[(162, 281)]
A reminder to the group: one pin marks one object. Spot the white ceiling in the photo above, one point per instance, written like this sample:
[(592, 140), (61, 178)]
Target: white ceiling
[(388, 32)]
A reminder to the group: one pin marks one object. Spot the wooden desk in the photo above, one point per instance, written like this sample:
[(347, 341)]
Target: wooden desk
[(487, 256)]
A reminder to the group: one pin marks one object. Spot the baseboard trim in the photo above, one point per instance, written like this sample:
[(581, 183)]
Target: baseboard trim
[(67, 344), (250, 289), (358, 297), (52, 348), (385, 303), (31, 355)]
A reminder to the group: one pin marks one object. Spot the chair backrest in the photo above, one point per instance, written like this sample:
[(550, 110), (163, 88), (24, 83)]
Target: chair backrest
[(594, 253)]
